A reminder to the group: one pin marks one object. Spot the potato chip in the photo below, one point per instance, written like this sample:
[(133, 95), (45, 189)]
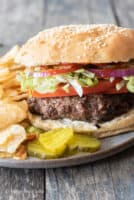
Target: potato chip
[(1, 92), (20, 97), (5, 78), (15, 67), (8, 71), (6, 155), (31, 136), (25, 123), (11, 83), (4, 72), (11, 138), (21, 153), (10, 92), (9, 76), (12, 112), (13, 109)]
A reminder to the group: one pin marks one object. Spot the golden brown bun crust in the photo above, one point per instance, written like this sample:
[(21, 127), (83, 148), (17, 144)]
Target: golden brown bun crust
[(78, 44), (118, 125)]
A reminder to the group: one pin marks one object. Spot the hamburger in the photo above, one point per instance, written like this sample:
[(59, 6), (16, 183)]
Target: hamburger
[(80, 76)]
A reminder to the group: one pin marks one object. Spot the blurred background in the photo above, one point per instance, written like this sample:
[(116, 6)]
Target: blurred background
[(21, 19)]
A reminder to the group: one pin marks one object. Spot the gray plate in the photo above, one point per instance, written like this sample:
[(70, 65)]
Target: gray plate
[(110, 146)]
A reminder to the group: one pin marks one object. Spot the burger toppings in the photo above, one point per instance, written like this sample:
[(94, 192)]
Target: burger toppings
[(102, 87), (91, 108), (71, 80), (42, 83)]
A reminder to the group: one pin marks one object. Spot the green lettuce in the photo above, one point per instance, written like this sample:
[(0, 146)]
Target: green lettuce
[(48, 84), (130, 83)]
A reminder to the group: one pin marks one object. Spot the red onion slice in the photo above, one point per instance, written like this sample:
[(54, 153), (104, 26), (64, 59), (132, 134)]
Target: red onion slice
[(104, 73)]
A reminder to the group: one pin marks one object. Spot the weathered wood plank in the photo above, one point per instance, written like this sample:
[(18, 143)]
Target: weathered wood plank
[(103, 180), (85, 182), (66, 12), (16, 184), (70, 184), (19, 20), (124, 11), (122, 171)]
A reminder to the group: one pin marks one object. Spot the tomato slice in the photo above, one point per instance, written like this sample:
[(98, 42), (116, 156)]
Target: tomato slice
[(103, 87), (47, 71)]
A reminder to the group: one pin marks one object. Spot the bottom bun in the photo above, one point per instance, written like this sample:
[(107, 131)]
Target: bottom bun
[(123, 123)]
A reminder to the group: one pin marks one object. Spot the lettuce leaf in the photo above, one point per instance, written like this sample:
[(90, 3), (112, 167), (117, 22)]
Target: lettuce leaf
[(48, 84), (130, 83)]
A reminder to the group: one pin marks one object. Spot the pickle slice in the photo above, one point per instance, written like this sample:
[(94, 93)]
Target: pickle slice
[(35, 149), (56, 141), (83, 143)]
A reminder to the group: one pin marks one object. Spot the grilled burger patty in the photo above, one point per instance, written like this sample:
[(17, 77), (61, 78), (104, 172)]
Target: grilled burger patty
[(91, 108)]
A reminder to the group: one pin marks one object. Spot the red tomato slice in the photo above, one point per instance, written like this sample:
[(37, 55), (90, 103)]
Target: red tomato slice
[(101, 88), (47, 71)]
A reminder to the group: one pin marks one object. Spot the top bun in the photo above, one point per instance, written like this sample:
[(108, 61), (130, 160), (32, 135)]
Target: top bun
[(78, 44)]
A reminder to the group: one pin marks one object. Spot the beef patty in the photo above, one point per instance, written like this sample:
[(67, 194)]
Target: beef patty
[(91, 108)]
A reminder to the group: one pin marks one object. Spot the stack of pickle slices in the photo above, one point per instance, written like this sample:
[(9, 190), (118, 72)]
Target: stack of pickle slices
[(60, 142)]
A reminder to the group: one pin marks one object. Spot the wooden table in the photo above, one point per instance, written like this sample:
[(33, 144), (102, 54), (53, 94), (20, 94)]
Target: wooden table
[(109, 179)]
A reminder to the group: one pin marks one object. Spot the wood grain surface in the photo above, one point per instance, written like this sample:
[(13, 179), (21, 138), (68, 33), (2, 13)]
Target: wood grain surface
[(109, 179), (21, 184)]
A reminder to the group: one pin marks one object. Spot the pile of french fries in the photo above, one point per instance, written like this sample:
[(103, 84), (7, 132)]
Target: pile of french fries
[(9, 86)]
